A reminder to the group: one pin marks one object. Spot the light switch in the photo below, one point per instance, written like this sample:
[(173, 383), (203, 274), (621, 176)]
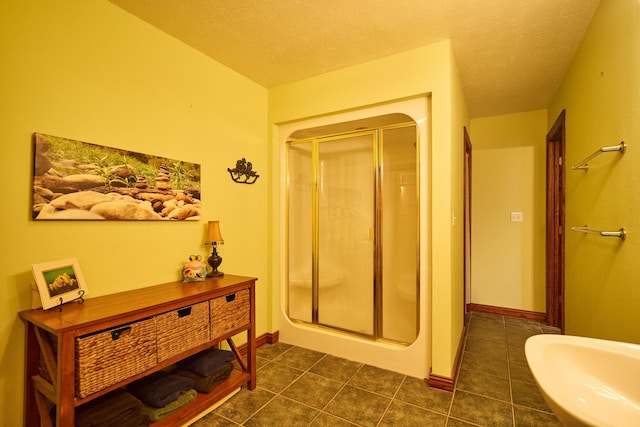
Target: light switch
[(516, 216)]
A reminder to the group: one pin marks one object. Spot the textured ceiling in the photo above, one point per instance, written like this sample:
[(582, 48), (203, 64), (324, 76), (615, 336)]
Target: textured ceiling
[(511, 54)]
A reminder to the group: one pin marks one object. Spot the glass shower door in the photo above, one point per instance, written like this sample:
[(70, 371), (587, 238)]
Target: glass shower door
[(353, 232), (345, 207), (300, 233), (399, 242)]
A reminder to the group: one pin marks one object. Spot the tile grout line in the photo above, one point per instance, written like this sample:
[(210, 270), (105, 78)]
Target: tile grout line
[(308, 370), (506, 344), (272, 360), (404, 378), (253, 414), (322, 411)]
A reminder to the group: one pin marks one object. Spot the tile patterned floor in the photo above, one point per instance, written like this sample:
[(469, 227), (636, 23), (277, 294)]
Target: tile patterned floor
[(300, 387)]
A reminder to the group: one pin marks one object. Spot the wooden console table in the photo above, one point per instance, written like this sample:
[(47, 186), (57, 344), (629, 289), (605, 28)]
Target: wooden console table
[(68, 327)]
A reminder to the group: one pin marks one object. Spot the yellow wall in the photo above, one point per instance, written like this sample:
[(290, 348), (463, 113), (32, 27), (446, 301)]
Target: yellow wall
[(601, 95), (92, 72), (87, 70), (426, 70), (451, 290), (509, 163)]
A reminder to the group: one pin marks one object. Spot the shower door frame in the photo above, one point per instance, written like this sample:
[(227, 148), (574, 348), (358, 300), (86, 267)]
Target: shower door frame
[(377, 151)]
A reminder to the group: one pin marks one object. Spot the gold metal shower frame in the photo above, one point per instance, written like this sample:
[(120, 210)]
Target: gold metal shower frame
[(378, 144)]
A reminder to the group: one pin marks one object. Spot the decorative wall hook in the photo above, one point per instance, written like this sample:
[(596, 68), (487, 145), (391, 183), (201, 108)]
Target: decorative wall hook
[(243, 173)]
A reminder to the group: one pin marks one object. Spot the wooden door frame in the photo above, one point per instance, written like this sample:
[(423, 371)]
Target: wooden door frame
[(555, 255), (466, 216)]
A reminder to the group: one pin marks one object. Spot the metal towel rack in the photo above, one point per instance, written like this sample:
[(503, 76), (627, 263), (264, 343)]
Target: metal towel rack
[(622, 233), (583, 164)]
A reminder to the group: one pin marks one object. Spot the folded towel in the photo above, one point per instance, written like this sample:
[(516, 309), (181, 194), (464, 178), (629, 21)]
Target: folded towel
[(117, 408), (208, 383), (205, 362), (160, 388), (156, 414)]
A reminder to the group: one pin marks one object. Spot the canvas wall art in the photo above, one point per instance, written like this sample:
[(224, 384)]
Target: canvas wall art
[(75, 180)]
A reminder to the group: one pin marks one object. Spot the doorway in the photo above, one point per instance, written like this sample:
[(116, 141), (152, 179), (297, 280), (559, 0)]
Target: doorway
[(556, 189)]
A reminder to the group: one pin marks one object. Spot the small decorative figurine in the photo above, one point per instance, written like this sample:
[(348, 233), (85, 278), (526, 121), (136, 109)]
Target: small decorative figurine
[(194, 270)]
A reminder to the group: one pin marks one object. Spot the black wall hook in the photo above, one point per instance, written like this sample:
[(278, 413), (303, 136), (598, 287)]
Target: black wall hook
[(243, 173)]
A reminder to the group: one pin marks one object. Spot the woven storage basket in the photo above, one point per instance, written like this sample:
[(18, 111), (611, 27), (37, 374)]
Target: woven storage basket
[(107, 357), (180, 330), (229, 312)]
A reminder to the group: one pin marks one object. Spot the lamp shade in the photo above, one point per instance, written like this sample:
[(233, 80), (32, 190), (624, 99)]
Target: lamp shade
[(214, 234)]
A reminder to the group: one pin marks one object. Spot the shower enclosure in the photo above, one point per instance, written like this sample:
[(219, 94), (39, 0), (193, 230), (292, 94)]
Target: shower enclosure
[(352, 227)]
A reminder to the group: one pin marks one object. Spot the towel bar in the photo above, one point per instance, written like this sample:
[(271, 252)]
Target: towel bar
[(583, 164), (622, 233)]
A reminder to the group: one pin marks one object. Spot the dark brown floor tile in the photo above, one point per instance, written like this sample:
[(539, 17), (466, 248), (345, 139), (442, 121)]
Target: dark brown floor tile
[(524, 330), (528, 395), (486, 319), (358, 406), (475, 315), (485, 346), (521, 322), (417, 392), (519, 336), (282, 412), (272, 351), (326, 420), (244, 404), (260, 362), (214, 420), (402, 414), (276, 377), (481, 410), (526, 417), (484, 384), (486, 329), (299, 358), (336, 368), (520, 371), (516, 353), (377, 380), (485, 363), (313, 390), (453, 422)]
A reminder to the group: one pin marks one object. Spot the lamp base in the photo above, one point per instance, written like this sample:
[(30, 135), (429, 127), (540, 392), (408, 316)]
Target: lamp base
[(214, 261)]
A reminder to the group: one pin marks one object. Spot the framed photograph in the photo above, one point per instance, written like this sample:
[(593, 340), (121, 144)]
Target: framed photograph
[(59, 282)]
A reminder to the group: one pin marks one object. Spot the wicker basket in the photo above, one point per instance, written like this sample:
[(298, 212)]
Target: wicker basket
[(180, 330), (107, 357), (229, 312)]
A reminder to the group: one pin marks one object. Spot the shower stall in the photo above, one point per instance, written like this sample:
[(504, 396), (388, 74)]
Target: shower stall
[(353, 228), (355, 224)]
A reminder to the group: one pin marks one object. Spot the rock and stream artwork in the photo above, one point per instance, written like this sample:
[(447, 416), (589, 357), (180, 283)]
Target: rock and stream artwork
[(75, 180)]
